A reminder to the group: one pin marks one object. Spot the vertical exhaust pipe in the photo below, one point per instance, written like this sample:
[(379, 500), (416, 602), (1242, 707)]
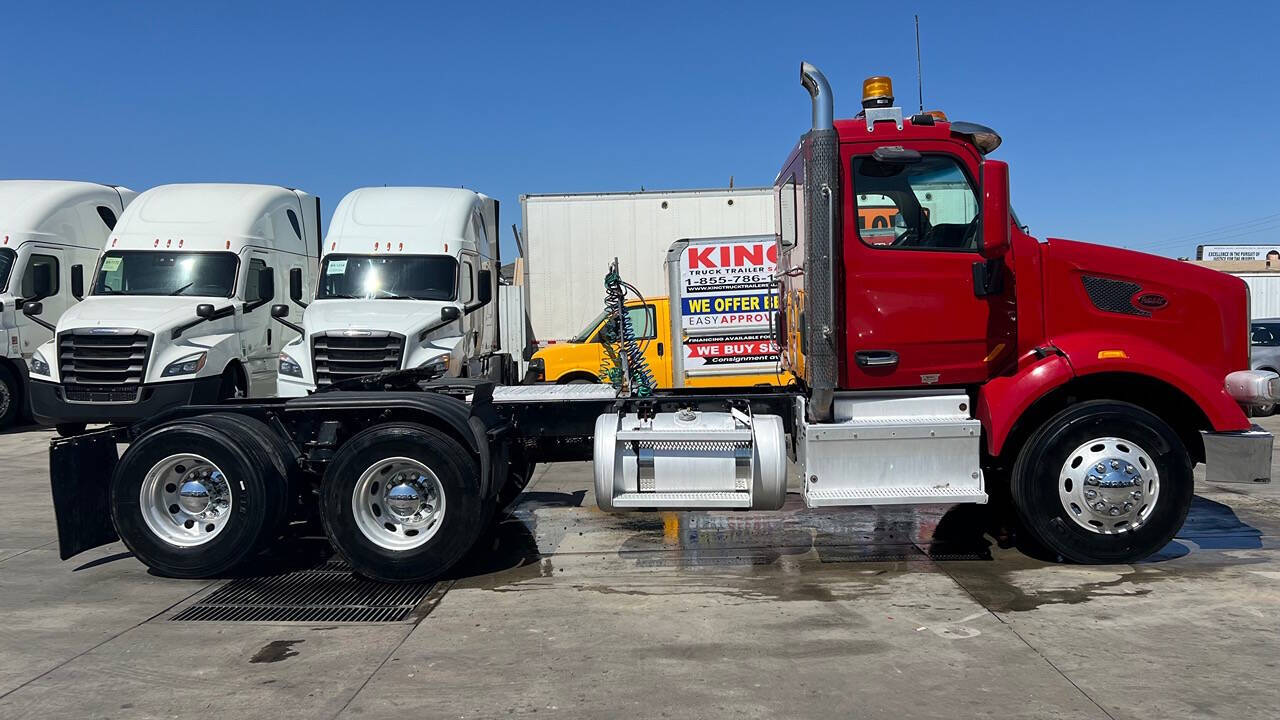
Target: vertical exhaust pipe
[(822, 189)]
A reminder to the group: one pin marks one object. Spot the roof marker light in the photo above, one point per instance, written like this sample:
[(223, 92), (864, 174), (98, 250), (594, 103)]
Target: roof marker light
[(114, 241), (168, 243), (333, 245), (938, 115), (180, 241), (156, 243), (401, 246), (877, 91), (6, 239), (228, 244), (375, 245)]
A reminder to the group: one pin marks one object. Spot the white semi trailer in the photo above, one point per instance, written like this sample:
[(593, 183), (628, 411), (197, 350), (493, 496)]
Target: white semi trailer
[(406, 280), (175, 314), (50, 232)]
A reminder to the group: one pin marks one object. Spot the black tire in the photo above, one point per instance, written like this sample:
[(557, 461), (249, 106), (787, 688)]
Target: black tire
[(69, 429), (254, 481), (581, 381), (1035, 491), (10, 398), (466, 513), (271, 448), (1265, 410)]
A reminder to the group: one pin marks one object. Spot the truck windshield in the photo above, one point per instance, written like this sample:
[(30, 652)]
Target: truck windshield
[(590, 328), (399, 277), (146, 272), (6, 264)]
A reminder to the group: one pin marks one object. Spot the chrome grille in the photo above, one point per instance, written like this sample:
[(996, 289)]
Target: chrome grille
[(338, 356), (101, 357)]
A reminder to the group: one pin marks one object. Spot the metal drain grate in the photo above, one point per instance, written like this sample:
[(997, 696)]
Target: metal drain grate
[(328, 593)]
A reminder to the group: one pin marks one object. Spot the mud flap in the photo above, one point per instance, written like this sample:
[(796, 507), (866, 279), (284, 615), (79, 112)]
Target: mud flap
[(80, 475)]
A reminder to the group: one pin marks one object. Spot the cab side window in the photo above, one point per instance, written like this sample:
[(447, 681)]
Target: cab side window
[(251, 280), (929, 204), (466, 284), (1265, 336), (643, 324), (36, 263)]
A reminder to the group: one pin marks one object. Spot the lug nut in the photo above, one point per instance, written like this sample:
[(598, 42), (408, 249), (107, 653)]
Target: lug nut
[(1136, 494), (1128, 506), (1099, 506), (1115, 464), (1101, 468), (1091, 494), (1114, 510), (1092, 480), (1128, 469)]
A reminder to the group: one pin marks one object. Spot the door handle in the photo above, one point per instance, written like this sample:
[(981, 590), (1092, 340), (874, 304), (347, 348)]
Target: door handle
[(876, 358), (659, 349)]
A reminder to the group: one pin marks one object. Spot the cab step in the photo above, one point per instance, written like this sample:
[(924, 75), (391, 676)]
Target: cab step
[(683, 500), (885, 448)]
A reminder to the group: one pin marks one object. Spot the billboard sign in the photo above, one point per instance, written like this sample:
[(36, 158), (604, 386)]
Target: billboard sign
[(1238, 252)]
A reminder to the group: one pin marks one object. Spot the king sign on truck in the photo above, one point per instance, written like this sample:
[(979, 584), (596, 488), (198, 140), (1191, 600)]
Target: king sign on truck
[(725, 292)]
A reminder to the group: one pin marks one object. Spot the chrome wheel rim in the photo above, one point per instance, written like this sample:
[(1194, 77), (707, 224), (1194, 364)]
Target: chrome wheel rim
[(398, 503), (186, 500), (1109, 486)]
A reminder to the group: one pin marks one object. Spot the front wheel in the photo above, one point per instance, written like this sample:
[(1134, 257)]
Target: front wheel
[(401, 502), (10, 398), (1103, 482)]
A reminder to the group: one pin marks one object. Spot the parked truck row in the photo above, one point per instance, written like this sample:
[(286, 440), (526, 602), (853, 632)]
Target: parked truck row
[(959, 361)]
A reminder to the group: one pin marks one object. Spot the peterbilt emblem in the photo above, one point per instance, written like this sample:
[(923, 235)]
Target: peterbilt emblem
[(1151, 301), (929, 378)]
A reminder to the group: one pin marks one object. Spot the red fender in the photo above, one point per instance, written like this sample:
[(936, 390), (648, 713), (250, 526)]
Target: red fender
[(1004, 399)]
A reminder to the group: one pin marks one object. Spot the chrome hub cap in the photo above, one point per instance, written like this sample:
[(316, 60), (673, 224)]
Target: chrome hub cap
[(185, 500), (1109, 485), (398, 503)]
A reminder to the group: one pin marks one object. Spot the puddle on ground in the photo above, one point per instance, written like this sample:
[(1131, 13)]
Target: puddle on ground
[(275, 651), (826, 554)]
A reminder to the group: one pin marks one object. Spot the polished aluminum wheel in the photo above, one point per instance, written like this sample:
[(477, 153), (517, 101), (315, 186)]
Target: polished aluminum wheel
[(1109, 485), (398, 503), (185, 500)]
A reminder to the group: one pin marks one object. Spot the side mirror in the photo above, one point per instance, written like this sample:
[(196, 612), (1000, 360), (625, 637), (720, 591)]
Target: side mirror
[(995, 208), (484, 293), (77, 282), (33, 308), (295, 284), (266, 284), (205, 310), (449, 313), (41, 281), (280, 311)]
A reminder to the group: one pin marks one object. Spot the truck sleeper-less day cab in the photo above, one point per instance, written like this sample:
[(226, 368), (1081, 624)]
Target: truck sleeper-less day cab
[(177, 312), (962, 357), (50, 232), (405, 282)]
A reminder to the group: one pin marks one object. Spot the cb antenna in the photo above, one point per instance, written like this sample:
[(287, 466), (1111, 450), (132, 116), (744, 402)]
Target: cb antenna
[(919, 78)]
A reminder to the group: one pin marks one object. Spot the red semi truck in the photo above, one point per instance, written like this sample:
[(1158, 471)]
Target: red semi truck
[(960, 360)]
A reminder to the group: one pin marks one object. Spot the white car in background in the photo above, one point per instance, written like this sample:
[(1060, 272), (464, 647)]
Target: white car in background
[(1264, 352)]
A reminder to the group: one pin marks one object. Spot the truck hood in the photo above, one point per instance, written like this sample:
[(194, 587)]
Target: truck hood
[(151, 313), (405, 317), (1194, 312)]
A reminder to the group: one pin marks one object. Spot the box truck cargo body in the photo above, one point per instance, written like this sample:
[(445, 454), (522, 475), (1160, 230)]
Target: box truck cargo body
[(570, 237)]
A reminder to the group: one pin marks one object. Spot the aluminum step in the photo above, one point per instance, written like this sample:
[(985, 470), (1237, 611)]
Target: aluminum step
[(894, 496), (683, 500)]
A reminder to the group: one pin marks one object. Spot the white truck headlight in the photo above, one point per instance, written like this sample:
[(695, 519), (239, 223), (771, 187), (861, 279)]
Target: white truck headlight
[(439, 365), (40, 366), (189, 365), (289, 367)]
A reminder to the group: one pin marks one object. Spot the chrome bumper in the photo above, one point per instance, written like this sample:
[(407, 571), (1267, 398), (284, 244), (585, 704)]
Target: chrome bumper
[(1243, 457)]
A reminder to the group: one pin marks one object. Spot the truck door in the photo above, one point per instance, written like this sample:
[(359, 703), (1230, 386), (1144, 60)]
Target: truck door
[(49, 259), (912, 316), (257, 336)]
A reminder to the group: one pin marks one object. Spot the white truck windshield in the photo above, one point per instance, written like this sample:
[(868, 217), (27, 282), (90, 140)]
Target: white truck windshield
[(6, 265), (146, 272), (399, 277)]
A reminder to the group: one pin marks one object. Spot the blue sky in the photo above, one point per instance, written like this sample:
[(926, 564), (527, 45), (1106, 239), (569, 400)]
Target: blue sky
[(1136, 125)]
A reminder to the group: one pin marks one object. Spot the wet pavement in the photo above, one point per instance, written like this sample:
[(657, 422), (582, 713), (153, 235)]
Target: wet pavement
[(567, 611)]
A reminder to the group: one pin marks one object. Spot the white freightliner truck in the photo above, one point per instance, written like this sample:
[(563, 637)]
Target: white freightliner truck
[(178, 311), (917, 382), (406, 279), (52, 233)]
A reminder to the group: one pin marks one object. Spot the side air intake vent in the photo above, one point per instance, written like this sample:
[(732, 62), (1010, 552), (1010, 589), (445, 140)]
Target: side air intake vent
[(1113, 295)]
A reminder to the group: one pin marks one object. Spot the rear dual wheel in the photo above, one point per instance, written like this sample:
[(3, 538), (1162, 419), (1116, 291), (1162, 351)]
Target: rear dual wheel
[(1103, 482), (401, 502), (197, 497)]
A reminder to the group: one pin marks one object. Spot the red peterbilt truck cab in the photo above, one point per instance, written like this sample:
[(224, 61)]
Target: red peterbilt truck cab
[(1099, 375)]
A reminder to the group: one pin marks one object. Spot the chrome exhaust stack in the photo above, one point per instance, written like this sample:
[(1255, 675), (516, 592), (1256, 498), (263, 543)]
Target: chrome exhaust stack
[(822, 185)]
